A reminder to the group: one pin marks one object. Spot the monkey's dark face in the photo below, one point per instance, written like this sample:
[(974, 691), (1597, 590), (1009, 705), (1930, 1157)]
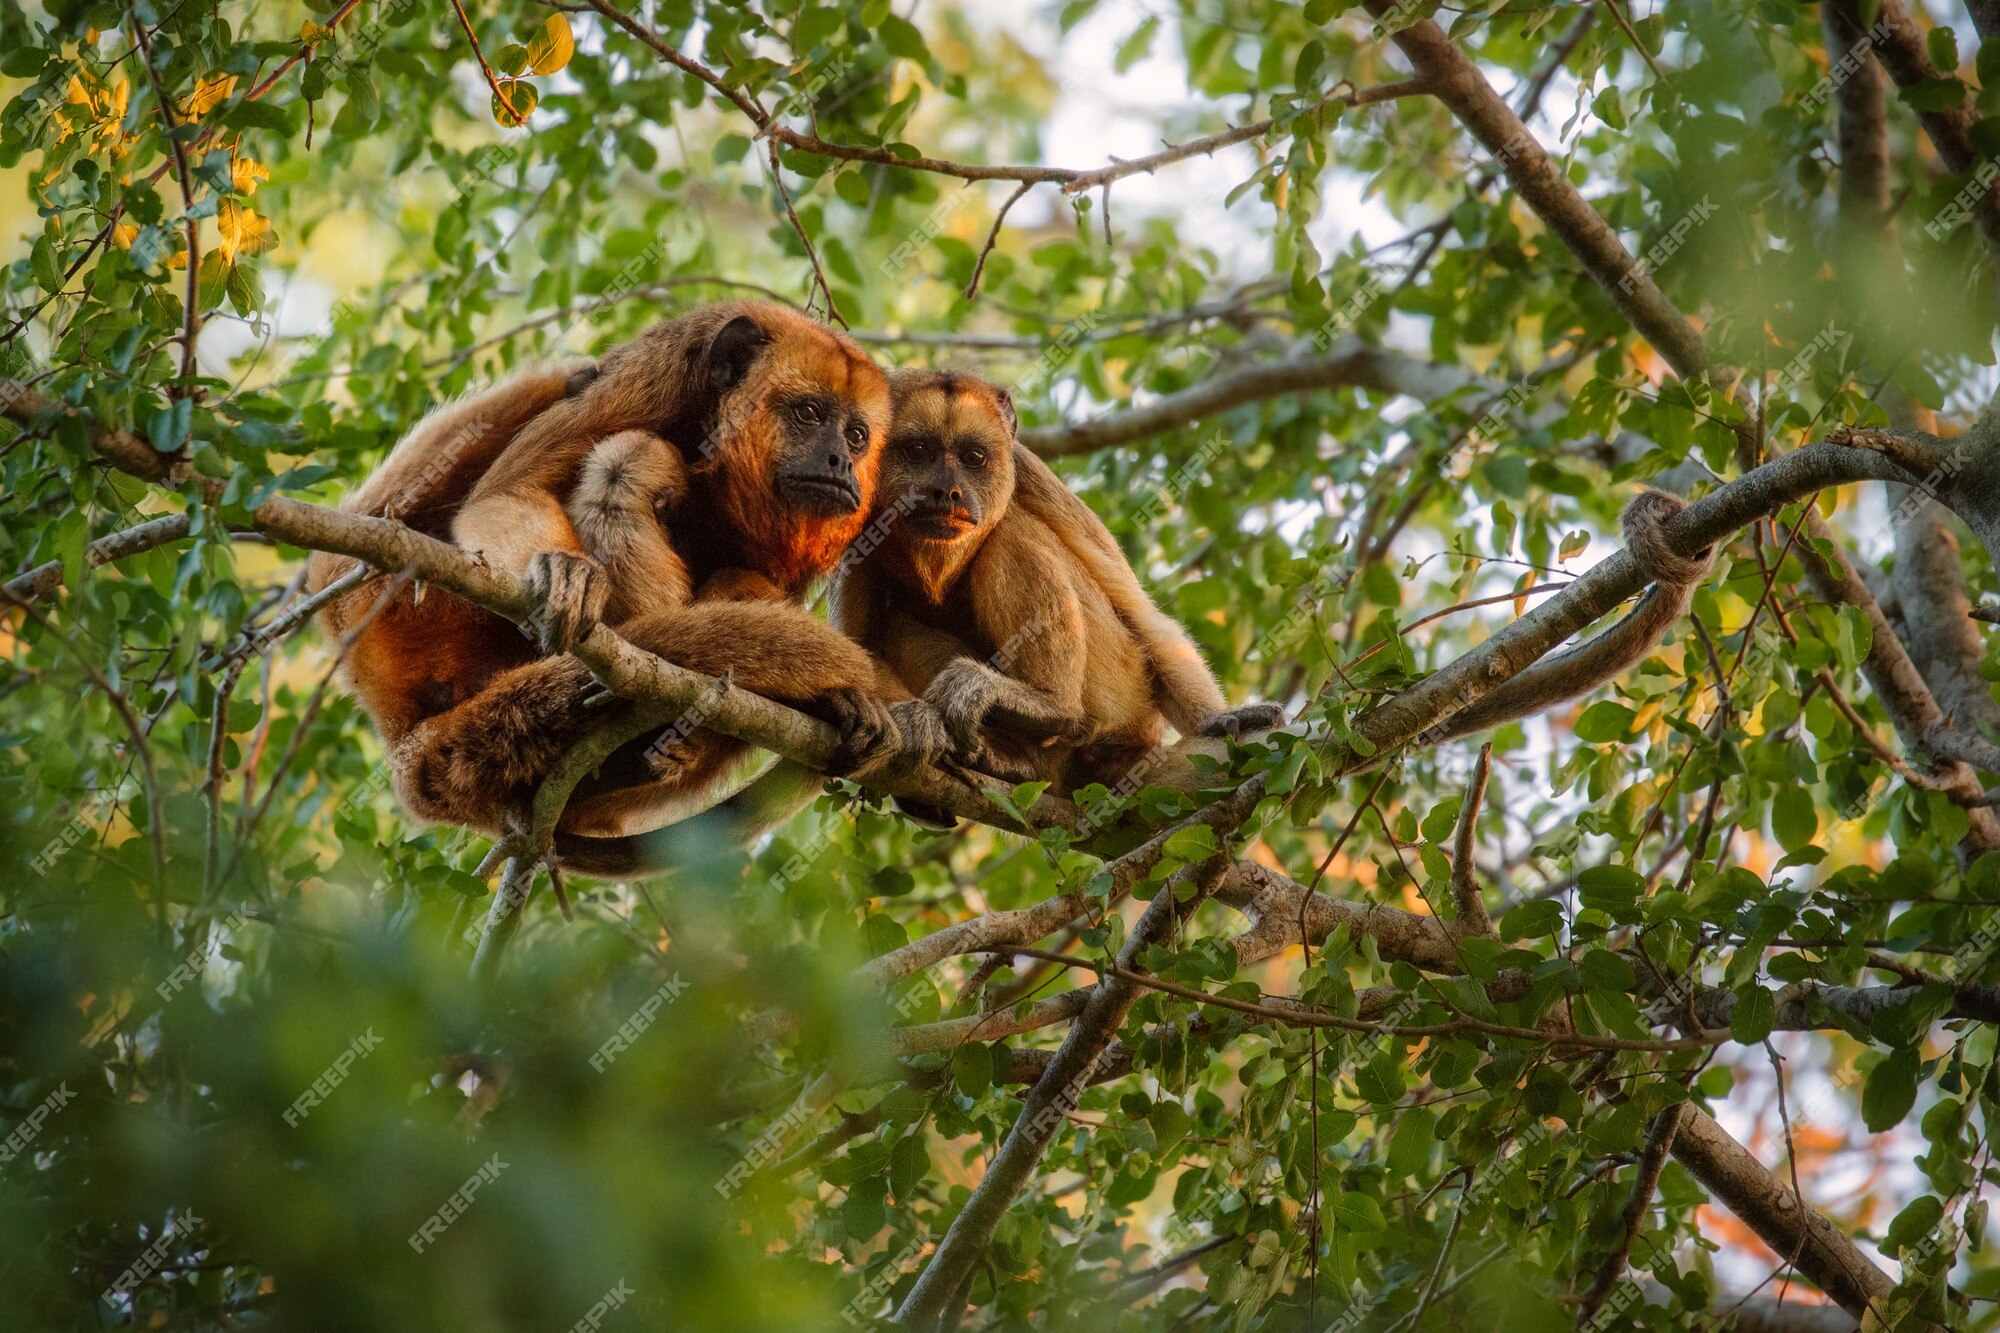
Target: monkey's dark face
[(824, 447), (950, 469), (797, 443)]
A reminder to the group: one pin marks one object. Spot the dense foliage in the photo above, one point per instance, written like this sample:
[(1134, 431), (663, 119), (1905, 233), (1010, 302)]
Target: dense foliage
[(245, 1077)]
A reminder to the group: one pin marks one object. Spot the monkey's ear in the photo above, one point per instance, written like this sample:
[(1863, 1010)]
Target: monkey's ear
[(579, 380), (734, 350), (1005, 401)]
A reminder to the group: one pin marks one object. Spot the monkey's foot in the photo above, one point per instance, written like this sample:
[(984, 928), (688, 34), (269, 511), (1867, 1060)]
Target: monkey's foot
[(573, 591), (1250, 717)]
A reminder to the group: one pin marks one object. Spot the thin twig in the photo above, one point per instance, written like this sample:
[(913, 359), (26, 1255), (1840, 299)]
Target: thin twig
[(493, 82), (191, 317), (812, 254), (1472, 918), (979, 266)]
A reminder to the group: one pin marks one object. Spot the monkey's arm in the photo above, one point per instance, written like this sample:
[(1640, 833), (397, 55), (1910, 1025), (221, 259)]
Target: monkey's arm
[(433, 467), (515, 519), (1027, 606), (1588, 665)]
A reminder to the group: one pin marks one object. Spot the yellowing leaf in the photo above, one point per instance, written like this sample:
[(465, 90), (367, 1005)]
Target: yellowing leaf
[(210, 92), (312, 34), (520, 103), (550, 49), (243, 232), (123, 235), (76, 93), (245, 172)]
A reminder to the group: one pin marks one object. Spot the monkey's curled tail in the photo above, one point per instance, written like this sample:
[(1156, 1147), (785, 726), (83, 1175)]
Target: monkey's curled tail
[(1588, 665)]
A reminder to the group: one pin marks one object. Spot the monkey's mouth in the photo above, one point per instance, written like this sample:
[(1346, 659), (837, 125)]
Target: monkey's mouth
[(827, 497), (941, 525)]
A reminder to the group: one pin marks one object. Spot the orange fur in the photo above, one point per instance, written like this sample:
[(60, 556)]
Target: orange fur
[(677, 459)]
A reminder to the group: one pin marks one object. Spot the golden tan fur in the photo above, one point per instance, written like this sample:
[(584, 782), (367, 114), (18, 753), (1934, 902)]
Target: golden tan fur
[(1001, 598), (676, 463)]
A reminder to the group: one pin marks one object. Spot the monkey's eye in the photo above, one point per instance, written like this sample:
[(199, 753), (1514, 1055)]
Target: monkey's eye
[(807, 412), (917, 451), (857, 436), (975, 457)]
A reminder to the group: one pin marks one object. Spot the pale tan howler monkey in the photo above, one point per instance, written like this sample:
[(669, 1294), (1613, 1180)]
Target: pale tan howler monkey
[(1001, 599)]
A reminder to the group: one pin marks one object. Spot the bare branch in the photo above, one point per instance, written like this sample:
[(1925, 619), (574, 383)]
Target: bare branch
[(1472, 918), (1769, 1207), (45, 578)]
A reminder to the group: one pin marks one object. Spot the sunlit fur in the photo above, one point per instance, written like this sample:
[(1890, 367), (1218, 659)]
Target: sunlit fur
[(473, 715), (1028, 620)]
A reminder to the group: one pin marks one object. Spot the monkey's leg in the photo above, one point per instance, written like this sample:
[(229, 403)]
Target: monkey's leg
[(478, 762)]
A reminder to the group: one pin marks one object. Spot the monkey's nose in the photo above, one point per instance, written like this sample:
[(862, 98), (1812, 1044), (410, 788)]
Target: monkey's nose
[(940, 495)]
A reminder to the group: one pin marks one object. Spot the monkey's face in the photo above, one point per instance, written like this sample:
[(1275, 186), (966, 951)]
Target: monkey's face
[(950, 467), (798, 439)]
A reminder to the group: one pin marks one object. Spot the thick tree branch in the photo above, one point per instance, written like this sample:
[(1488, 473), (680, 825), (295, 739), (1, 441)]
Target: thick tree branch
[(1901, 46), (1768, 1206)]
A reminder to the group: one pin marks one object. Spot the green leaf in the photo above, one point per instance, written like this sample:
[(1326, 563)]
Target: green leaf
[(1610, 888), (1943, 44), (1933, 94), (1194, 843), (1891, 1090), (1531, 921), (1603, 970), (972, 1069), (260, 116), (1604, 721), (1794, 818), (1354, 1211), (909, 1163), (1410, 1148), (903, 39), (1755, 1010), (1133, 49)]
